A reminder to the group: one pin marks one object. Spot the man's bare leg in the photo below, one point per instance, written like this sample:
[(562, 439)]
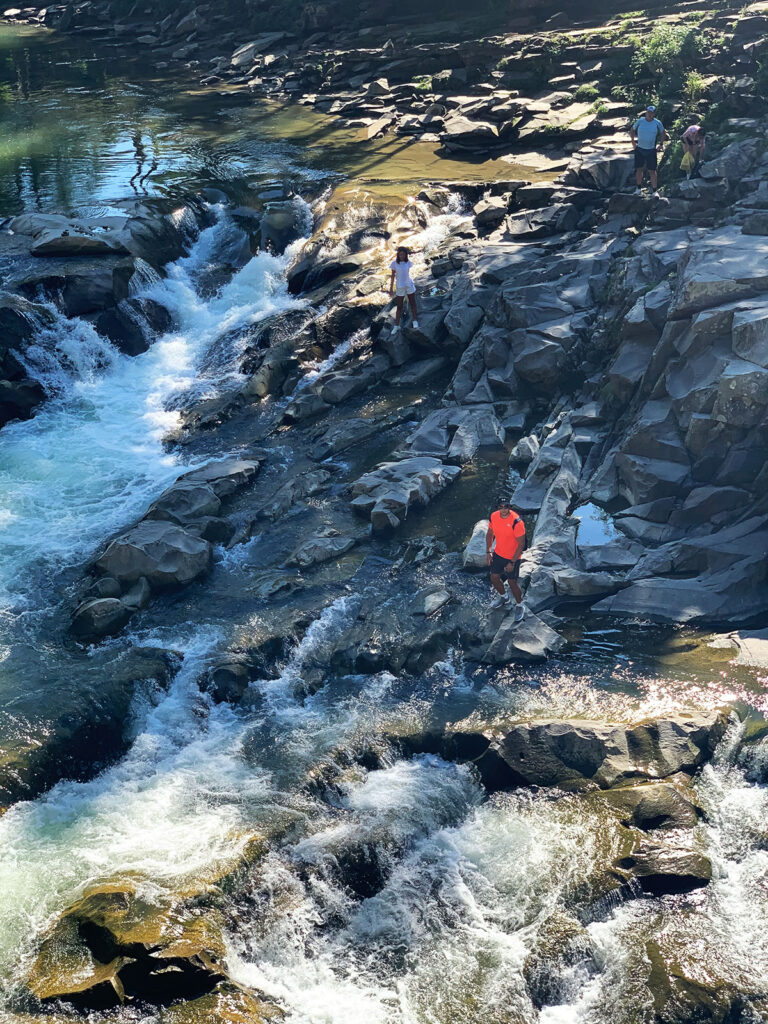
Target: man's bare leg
[(497, 585)]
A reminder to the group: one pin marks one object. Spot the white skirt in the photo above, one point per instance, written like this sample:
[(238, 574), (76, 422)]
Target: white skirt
[(407, 289)]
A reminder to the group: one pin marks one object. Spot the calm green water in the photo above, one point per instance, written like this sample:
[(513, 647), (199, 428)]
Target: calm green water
[(84, 123), (80, 119)]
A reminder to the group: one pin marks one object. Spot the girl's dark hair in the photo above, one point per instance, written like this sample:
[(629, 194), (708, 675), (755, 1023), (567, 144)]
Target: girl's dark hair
[(401, 248)]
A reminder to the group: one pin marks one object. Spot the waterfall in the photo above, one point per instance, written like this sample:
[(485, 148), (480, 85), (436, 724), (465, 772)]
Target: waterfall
[(92, 458)]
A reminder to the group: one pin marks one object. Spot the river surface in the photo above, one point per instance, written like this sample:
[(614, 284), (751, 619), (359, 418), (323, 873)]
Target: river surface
[(469, 886)]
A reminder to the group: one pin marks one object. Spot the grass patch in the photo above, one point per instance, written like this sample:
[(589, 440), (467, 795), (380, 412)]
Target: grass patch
[(423, 83)]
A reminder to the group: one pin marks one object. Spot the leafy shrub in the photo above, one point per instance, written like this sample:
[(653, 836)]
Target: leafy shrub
[(586, 92), (668, 48), (423, 83), (694, 86)]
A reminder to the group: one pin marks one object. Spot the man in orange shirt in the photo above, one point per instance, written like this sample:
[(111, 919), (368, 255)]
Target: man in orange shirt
[(508, 531)]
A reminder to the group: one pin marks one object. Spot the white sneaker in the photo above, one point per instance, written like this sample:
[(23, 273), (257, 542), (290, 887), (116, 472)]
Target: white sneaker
[(520, 611), (655, 195), (415, 325), (500, 602)]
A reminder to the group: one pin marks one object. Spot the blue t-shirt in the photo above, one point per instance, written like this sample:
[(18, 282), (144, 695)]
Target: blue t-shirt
[(648, 132)]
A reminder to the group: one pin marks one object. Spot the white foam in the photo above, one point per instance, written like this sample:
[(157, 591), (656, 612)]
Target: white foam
[(92, 458)]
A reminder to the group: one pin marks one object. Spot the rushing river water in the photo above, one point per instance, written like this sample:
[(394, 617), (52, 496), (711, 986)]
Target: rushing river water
[(456, 892)]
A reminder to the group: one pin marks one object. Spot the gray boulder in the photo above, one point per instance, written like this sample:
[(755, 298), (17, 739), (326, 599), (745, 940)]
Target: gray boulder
[(724, 265), (458, 433), (321, 548), (580, 754), (225, 476), (601, 167), (246, 54), (663, 869), (459, 133), (77, 243), (99, 617), (19, 399), (280, 225), (531, 640), (185, 502), (733, 162), (490, 212), (733, 594), (388, 492), (228, 682), (548, 220), (166, 554), (749, 334), (475, 554), (655, 805), (742, 394)]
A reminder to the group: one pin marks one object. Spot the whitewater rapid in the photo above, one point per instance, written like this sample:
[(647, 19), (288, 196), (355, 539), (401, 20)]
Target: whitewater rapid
[(92, 458)]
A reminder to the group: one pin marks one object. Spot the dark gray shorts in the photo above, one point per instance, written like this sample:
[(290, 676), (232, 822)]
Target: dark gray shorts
[(499, 567)]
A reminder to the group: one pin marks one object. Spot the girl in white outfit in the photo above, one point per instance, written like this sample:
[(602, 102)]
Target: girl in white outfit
[(401, 281)]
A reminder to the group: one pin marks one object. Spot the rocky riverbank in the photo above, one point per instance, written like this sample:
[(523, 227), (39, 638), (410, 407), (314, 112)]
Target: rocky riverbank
[(518, 83), (594, 355), (593, 344)]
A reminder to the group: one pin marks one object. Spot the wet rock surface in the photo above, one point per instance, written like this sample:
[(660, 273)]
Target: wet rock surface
[(84, 728), (113, 947), (170, 548)]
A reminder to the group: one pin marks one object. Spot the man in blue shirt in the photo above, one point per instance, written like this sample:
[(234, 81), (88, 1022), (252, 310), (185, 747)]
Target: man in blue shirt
[(647, 132)]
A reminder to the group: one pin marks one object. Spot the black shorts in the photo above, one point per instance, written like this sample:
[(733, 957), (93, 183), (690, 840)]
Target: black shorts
[(499, 567), (646, 159)]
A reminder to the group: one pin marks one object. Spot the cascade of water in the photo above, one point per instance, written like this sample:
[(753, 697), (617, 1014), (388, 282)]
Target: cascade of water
[(66, 351), (92, 458), (183, 801), (143, 277)]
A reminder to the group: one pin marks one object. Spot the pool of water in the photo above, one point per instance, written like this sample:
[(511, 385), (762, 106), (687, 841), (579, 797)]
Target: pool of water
[(84, 123)]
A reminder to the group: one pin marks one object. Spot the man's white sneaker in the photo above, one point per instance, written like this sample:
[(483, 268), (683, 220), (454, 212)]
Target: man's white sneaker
[(520, 611), (500, 602), (415, 325)]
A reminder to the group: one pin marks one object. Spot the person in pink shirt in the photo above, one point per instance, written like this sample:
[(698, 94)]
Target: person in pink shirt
[(694, 141)]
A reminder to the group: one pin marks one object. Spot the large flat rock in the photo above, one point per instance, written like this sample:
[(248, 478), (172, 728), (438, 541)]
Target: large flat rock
[(723, 266), (527, 641), (576, 755)]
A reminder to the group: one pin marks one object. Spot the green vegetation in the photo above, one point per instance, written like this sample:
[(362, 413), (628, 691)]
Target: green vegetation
[(423, 83), (586, 92), (601, 108), (666, 52), (694, 86)]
